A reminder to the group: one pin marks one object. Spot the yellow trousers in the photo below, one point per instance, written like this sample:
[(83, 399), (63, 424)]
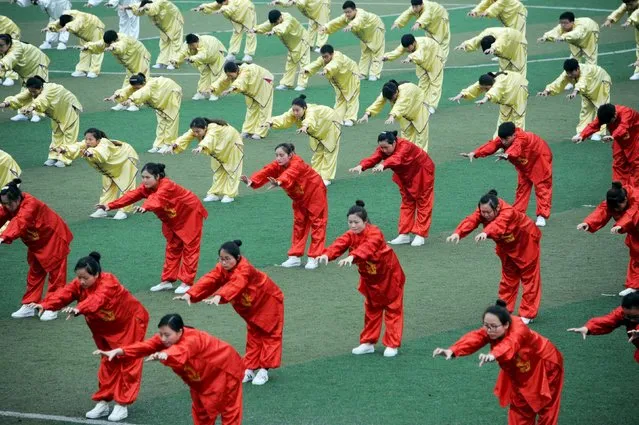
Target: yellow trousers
[(225, 183), (432, 88), (111, 191), (582, 57), (207, 78), (291, 67), (64, 136), (370, 63), (167, 129), (589, 107), (419, 138), (89, 62), (637, 49), (315, 38), (346, 109), (325, 162), (256, 116), (236, 40), (169, 48)]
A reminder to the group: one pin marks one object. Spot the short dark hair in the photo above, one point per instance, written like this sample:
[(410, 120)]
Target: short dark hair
[(506, 129), (571, 65), (65, 19), (138, 79), (327, 48), (487, 42), (569, 16), (390, 89), (416, 2), (192, 38), (615, 196), (35, 82), (349, 5), (7, 39), (407, 40), (630, 301), (110, 36), (90, 263), (231, 66), (274, 15), (606, 113)]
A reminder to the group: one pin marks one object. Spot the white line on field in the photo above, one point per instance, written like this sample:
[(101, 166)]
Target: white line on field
[(58, 418)]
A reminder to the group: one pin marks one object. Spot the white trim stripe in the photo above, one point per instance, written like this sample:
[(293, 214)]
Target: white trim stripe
[(57, 418)]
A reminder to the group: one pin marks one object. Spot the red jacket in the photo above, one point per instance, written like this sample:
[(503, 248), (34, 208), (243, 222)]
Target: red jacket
[(529, 153), (253, 295), (624, 130), (179, 209), (381, 276), (611, 321), (412, 168), (627, 219), (44, 232)]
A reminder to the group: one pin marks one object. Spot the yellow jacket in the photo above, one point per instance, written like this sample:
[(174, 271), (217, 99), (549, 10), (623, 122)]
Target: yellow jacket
[(222, 143), (164, 15), (160, 93), (7, 26), (322, 123), (83, 26), (433, 19), (9, 168), (54, 101), (240, 12), (209, 53), (505, 91), (510, 47), (366, 26), (634, 19), (253, 82), (407, 109), (583, 37), (591, 77), (342, 72), (427, 57), (621, 10), (131, 53), (312, 9), (25, 59), (511, 13), (292, 34)]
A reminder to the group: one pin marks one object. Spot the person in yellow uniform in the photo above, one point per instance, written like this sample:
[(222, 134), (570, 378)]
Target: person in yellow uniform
[(160, 93), (508, 89), (591, 82), (7, 26), (318, 13), (408, 108), (631, 7), (117, 162), (295, 39), (223, 143), (511, 13), (9, 168), (427, 56), (169, 20), (343, 74), (581, 34), (130, 52), (242, 15), (256, 84), (324, 129), (206, 53), (88, 28), (634, 21), (431, 17), (370, 30), (509, 46), (57, 103)]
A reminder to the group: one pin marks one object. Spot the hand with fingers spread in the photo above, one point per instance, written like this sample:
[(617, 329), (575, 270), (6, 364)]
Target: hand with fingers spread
[(457, 98), (481, 237), (159, 356), (607, 23), (197, 150), (348, 261), (103, 207), (323, 259), (415, 26), (70, 311), (582, 330), (577, 139), (607, 139), (501, 156), (572, 95), (443, 352), (633, 334), (490, 51), (364, 118), (615, 230), (356, 169), (544, 93), (140, 210), (37, 307), (110, 354), (303, 129), (486, 358), (273, 183), (469, 155), (454, 238), (378, 168), (184, 297), (482, 101), (583, 227), (390, 120), (214, 300), (245, 180)]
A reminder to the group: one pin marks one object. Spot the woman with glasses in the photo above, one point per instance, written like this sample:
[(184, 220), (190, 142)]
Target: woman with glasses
[(532, 372)]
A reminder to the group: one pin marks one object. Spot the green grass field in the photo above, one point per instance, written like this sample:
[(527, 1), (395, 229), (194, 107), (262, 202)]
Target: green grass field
[(47, 368)]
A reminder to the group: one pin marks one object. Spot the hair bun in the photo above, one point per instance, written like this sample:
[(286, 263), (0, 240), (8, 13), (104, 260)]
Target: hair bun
[(162, 167), (501, 303), (394, 133), (360, 203), (237, 242), (16, 181), (95, 255), (492, 192), (617, 185), (302, 96)]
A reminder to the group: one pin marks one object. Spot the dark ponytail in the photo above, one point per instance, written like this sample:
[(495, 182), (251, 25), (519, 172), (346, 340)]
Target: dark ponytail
[(300, 101), (138, 79), (12, 190), (490, 199), (359, 210), (203, 123), (173, 321), (615, 196), (232, 247), (488, 79), (389, 137), (98, 134), (90, 263), (499, 310), (155, 169)]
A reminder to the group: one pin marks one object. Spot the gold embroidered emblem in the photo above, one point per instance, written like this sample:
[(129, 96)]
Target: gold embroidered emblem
[(171, 212), (371, 268), (523, 366), (246, 299), (191, 374), (33, 235), (107, 315), (523, 161), (298, 190), (508, 238)]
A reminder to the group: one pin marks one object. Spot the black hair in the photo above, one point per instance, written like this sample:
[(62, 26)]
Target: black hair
[(615, 196), (506, 129), (12, 190), (232, 247), (300, 101), (359, 210), (173, 321), (490, 199), (98, 134), (155, 169), (389, 137), (144, 2), (488, 79), (627, 1), (110, 36), (138, 79), (390, 89), (289, 148), (571, 65), (349, 5), (499, 310), (35, 82), (568, 16), (327, 48), (407, 40), (231, 66), (274, 15), (486, 42), (7, 39), (631, 300), (219, 1), (202, 122), (192, 38), (65, 19), (416, 2), (90, 263), (606, 113)]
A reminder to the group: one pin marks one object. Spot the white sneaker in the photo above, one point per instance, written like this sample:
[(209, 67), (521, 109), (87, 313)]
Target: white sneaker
[(19, 117), (526, 320), (119, 413), (495, 59), (118, 107), (158, 66), (348, 123), (212, 198), (132, 108), (282, 87), (24, 312), (316, 50), (153, 150), (213, 98), (35, 118), (162, 286), (249, 59), (634, 76), (48, 315), (300, 88), (418, 241), (363, 349), (8, 82), (99, 213), (372, 78), (261, 377), (60, 164), (92, 75), (170, 67), (292, 262), (182, 289), (49, 162), (256, 137), (400, 240), (101, 409), (541, 222), (45, 46), (311, 263), (249, 375), (627, 291), (569, 87), (227, 199), (230, 57), (431, 110), (78, 74), (198, 96), (596, 137), (390, 352), (120, 215), (62, 46), (327, 182)]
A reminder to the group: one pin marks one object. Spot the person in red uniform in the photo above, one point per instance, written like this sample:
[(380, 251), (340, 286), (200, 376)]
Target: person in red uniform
[(627, 315), (256, 298), (532, 158), (211, 368), (310, 207), (381, 280), (532, 371), (623, 125), (414, 173), (47, 238), (517, 242), (622, 204), (182, 215), (115, 318)]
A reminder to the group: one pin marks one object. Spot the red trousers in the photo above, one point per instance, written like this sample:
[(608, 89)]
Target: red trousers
[(415, 213), (530, 278), (120, 379), (543, 194), (624, 169), (37, 276), (206, 408), (264, 349), (632, 277), (305, 222), (393, 316), (180, 259), (520, 413)]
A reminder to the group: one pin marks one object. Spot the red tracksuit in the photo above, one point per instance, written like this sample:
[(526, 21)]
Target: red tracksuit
[(532, 158), (310, 207), (182, 215), (517, 246), (625, 147), (381, 283), (531, 375), (258, 300), (115, 318), (414, 173), (611, 321), (211, 368), (47, 238), (629, 222)]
